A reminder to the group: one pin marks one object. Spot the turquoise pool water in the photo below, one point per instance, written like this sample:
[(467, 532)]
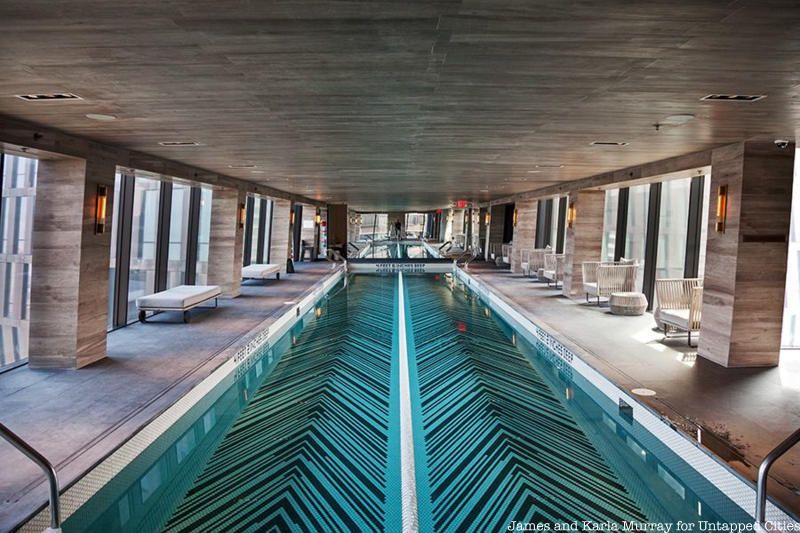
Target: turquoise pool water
[(307, 436)]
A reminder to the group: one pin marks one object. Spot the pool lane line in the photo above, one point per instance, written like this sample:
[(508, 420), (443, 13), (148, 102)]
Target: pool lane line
[(423, 500), (407, 471)]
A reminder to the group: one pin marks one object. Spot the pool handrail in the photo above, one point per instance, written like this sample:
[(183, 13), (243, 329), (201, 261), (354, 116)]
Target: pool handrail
[(49, 470), (763, 475)]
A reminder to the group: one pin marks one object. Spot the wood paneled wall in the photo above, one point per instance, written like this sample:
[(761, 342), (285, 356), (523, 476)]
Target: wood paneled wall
[(69, 273), (584, 239), (524, 231), (225, 242), (745, 269)]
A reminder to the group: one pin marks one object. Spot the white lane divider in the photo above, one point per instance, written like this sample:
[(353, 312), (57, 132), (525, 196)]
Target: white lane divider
[(408, 479)]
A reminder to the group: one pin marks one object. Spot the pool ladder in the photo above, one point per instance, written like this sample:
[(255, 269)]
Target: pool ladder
[(41, 461), (763, 475)]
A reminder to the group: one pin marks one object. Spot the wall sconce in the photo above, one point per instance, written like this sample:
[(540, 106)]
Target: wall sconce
[(488, 218), (572, 212), (242, 215), (291, 217), (100, 210), (722, 208), (516, 216), (317, 219)]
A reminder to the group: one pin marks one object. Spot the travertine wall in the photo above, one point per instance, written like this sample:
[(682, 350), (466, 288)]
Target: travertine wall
[(524, 231), (584, 240), (225, 242), (280, 243), (69, 273), (745, 269)]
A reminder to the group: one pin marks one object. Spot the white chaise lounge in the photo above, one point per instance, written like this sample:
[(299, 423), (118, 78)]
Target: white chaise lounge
[(181, 298), (261, 271)]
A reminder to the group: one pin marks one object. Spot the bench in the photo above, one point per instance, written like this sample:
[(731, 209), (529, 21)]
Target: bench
[(261, 271), (181, 298)]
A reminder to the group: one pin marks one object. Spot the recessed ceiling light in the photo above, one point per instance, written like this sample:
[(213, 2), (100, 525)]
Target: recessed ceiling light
[(609, 143), (48, 97), (258, 171), (100, 117), (550, 166), (242, 165), (484, 190), (734, 97), (534, 171), (179, 143), (677, 120)]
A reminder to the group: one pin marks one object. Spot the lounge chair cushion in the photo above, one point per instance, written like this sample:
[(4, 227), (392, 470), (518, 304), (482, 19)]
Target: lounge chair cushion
[(675, 317), (590, 287), (180, 297), (260, 271)]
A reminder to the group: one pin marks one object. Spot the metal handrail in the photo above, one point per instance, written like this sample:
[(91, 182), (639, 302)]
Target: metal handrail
[(31, 453), (763, 475)]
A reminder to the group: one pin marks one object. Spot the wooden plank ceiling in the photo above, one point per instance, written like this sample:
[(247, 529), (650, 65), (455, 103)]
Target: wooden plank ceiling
[(405, 104)]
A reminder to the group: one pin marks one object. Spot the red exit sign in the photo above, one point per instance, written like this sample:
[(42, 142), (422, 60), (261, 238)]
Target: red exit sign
[(460, 204)]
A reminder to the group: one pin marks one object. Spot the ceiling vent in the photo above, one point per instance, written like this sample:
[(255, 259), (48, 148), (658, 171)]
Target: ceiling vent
[(179, 143), (49, 97), (609, 143), (734, 97)]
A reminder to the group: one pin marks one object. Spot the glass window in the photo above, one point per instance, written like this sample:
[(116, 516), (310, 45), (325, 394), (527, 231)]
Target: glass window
[(701, 263), (610, 225), (791, 303), (673, 220), (178, 234), (112, 262), (16, 229), (144, 229), (554, 223), (256, 224), (374, 226), (268, 231), (637, 227), (204, 236)]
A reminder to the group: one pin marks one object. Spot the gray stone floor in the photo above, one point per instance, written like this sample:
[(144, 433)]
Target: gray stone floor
[(743, 413), (75, 418)]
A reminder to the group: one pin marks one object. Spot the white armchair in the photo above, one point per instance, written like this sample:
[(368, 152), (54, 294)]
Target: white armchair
[(553, 268), (601, 279), (680, 305)]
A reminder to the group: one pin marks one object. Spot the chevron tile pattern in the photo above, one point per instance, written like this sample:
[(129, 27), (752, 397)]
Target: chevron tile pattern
[(499, 445), (311, 451)]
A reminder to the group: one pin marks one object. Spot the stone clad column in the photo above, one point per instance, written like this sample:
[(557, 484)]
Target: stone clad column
[(69, 270), (226, 241), (584, 239), (280, 240), (745, 269), (524, 231)]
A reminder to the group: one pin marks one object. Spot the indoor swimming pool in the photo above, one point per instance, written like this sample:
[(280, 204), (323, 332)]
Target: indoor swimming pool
[(403, 401)]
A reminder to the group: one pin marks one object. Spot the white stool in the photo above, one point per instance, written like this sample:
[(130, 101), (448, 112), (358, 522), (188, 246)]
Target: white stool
[(627, 303)]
